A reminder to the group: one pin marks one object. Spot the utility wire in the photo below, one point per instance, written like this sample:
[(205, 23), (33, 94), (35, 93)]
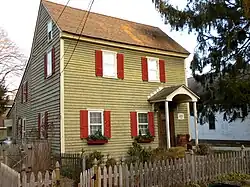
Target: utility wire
[(65, 6), (73, 36), (84, 24)]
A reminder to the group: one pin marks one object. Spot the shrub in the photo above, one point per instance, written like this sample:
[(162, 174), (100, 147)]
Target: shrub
[(236, 177), (172, 153), (137, 153), (111, 162), (203, 149), (91, 157)]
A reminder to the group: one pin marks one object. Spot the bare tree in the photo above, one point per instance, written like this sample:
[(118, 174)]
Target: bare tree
[(12, 61)]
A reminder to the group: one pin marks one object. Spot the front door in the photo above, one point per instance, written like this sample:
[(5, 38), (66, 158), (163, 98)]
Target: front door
[(162, 126)]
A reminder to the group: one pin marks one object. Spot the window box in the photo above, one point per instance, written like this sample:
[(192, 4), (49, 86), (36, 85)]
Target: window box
[(96, 142), (97, 139), (146, 138)]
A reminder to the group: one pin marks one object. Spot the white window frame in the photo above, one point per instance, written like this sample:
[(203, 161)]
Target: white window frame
[(102, 117), (138, 124), (115, 65), (158, 69), (50, 30), (23, 128), (49, 65)]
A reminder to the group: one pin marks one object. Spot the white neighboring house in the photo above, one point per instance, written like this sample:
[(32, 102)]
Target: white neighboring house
[(219, 131)]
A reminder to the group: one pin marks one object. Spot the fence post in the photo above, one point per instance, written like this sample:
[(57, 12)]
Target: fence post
[(243, 165), (192, 165), (83, 163), (5, 158), (96, 181), (57, 170)]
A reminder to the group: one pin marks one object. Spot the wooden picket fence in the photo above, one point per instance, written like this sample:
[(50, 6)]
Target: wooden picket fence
[(35, 155), (11, 178), (177, 172)]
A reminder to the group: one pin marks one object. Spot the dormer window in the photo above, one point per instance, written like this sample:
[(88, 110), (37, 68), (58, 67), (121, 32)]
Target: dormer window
[(50, 33)]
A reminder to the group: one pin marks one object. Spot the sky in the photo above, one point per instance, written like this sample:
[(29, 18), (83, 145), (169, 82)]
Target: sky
[(18, 19)]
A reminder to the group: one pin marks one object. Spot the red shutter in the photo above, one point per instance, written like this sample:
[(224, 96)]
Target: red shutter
[(144, 68), (39, 125), (26, 91), (98, 63), (21, 129), (53, 61), (133, 123), (84, 124), (162, 70), (107, 124), (45, 66), (22, 93), (151, 125), (120, 66), (46, 124)]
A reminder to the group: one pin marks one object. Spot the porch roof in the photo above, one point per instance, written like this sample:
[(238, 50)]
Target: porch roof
[(169, 93)]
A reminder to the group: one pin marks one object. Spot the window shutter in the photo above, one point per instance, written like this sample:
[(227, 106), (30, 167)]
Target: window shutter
[(53, 61), (151, 125), (107, 124), (98, 63), (22, 93), (144, 65), (26, 91), (133, 123), (84, 124), (39, 125), (45, 66), (120, 66), (162, 70), (46, 124)]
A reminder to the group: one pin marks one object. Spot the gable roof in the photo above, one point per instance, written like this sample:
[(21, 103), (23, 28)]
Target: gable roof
[(111, 28)]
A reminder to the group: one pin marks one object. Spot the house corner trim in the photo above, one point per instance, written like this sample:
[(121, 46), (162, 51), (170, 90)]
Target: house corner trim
[(62, 135)]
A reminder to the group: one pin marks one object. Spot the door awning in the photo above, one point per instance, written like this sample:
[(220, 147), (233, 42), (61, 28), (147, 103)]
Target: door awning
[(180, 93)]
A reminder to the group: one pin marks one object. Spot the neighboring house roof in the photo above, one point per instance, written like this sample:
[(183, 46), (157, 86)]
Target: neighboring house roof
[(111, 28), (195, 86)]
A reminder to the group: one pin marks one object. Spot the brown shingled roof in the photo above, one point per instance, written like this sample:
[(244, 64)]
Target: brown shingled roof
[(112, 29)]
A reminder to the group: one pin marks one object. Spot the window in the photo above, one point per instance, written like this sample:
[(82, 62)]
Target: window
[(211, 122), (25, 92), (142, 123), (95, 122), (50, 34), (109, 64), (24, 128), (49, 63), (153, 69)]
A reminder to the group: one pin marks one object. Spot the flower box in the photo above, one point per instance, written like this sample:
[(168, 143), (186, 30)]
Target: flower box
[(96, 142), (145, 140)]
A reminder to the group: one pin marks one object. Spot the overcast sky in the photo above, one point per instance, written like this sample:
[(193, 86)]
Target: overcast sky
[(18, 18)]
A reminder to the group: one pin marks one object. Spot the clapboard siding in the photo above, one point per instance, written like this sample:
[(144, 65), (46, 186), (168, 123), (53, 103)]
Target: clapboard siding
[(44, 94), (83, 90)]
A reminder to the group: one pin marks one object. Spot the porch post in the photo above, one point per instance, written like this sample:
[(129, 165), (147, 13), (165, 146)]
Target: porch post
[(195, 124), (167, 124)]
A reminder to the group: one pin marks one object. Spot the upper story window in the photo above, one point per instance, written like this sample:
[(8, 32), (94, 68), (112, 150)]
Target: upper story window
[(24, 92), (49, 63), (153, 69), (142, 122), (95, 122), (109, 64), (50, 30)]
